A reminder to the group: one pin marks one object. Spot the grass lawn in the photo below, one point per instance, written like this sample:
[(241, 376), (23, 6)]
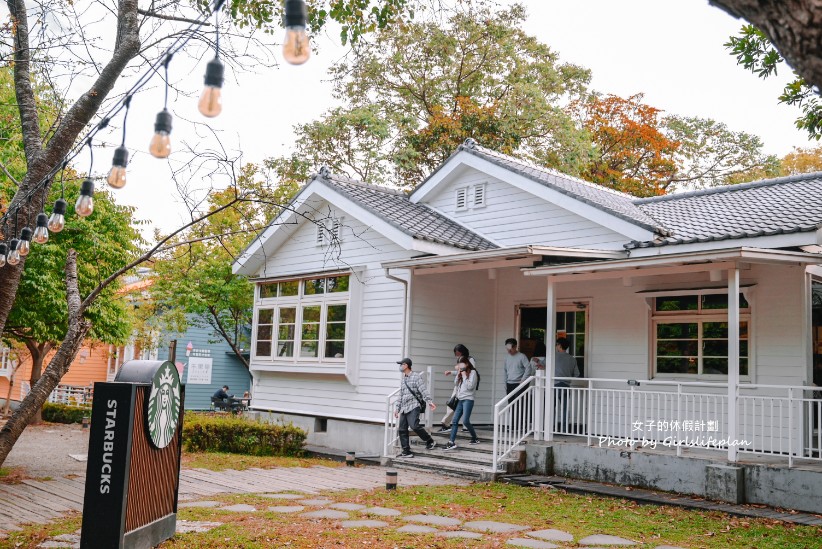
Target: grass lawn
[(535, 508), (216, 461)]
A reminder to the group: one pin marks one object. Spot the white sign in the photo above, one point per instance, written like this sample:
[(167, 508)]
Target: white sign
[(199, 370)]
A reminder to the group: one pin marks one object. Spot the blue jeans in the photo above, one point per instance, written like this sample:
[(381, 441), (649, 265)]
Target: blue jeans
[(561, 405), (463, 411)]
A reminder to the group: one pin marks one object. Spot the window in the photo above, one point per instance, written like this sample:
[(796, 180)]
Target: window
[(479, 195), (462, 199), (691, 334), (303, 320)]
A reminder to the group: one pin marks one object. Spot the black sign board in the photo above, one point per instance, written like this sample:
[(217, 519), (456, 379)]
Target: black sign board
[(109, 458)]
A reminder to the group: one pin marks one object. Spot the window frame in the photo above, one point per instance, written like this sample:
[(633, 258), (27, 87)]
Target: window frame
[(298, 302), (461, 199), (479, 189), (699, 316)]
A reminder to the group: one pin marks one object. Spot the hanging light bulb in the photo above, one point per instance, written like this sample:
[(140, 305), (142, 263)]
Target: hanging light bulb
[(117, 176), (41, 232), (85, 202), (160, 146), (25, 242), (211, 100), (296, 49), (58, 220), (13, 257), (3, 251)]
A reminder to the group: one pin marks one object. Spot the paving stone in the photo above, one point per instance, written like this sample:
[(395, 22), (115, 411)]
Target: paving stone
[(551, 535), (200, 504), (381, 512), (436, 520), (283, 496), (460, 534), (49, 544), (363, 524), (73, 538), (286, 509), (668, 547), (602, 539), (493, 526), (239, 508), (416, 529), (186, 526), (531, 543), (326, 514), (315, 502), (348, 506)]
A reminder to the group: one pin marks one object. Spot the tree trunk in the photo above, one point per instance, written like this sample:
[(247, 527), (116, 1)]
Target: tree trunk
[(38, 353), (794, 27), (57, 368)]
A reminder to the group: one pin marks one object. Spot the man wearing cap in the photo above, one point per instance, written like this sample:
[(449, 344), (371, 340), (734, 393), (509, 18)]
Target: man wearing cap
[(410, 404)]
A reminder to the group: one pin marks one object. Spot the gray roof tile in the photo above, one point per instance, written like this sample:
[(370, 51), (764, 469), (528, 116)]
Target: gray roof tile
[(763, 208), (416, 220)]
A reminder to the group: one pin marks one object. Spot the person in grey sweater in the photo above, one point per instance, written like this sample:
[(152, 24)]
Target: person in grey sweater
[(466, 385), (517, 366)]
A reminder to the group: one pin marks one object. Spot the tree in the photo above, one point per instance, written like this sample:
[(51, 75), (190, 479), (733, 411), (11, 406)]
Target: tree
[(792, 27), (418, 88), (801, 160), (59, 30)]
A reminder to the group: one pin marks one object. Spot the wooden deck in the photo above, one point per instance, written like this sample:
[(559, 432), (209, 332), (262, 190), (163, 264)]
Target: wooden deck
[(40, 501)]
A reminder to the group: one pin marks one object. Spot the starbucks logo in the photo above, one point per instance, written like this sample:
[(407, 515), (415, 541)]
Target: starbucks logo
[(164, 405)]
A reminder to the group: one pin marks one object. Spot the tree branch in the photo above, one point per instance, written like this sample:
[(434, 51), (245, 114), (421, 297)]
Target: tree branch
[(156, 15)]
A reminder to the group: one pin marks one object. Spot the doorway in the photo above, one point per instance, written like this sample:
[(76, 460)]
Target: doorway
[(571, 323)]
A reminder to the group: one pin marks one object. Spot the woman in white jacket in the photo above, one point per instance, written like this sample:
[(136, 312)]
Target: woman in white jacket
[(466, 386)]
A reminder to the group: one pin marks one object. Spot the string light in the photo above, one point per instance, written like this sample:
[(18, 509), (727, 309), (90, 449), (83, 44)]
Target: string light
[(13, 257), (84, 206), (41, 232), (296, 49), (117, 175), (160, 146), (3, 251), (211, 100), (25, 242)]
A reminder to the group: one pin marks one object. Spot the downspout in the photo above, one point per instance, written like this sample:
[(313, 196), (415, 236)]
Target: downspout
[(406, 309)]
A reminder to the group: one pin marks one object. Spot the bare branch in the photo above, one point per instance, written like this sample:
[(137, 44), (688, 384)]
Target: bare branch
[(148, 13)]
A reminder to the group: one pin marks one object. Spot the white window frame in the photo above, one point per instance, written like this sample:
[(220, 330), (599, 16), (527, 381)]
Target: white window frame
[(298, 302), (699, 317)]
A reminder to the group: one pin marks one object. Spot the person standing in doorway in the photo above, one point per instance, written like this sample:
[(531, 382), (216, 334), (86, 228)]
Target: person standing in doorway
[(410, 405), (460, 351), (565, 366), (517, 369), (465, 385)]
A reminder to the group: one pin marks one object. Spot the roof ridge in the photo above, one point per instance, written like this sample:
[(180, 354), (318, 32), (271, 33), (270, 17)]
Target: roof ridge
[(341, 178), (551, 171), (730, 188)]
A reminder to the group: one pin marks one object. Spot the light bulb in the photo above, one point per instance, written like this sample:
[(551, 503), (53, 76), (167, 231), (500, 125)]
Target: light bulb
[(296, 49), (58, 220), (41, 232), (13, 257), (117, 176), (3, 251), (160, 146), (211, 100), (85, 202), (25, 242)]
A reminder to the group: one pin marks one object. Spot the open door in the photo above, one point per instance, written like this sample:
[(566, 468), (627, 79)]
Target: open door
[(571, 322)]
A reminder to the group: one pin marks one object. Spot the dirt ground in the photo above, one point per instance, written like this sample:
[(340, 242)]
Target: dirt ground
[(43, 450)]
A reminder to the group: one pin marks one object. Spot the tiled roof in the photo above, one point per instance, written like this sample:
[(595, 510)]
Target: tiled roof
[(764, 208), (614, 202), (416, 220)]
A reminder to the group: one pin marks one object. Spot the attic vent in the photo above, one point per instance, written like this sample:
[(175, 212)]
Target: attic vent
[(328, 232), (336, 228), (462, 199), (320, 234), (479, 195)]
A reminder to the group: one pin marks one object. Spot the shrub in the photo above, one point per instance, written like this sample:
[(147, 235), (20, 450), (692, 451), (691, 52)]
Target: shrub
[(237, 435), (62, 413)]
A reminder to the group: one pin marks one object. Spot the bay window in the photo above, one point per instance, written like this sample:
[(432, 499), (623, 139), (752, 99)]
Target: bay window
[(302, 321)]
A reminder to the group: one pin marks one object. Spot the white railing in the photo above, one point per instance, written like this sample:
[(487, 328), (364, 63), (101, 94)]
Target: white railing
[(771, 419), (392, 434), (514, 418), (72, 395), (7, 362)]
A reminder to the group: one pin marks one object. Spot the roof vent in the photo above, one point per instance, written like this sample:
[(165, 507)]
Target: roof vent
[(325, 173), (470, 143)]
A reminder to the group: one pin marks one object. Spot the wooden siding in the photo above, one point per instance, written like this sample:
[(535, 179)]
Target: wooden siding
[(226, 368), (375, 344), (514, 217)]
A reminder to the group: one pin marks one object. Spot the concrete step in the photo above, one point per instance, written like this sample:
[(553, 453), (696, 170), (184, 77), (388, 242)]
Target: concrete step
[(428, 463)]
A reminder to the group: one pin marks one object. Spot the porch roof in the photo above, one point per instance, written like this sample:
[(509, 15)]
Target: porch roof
[(672, 263), (515, 256)]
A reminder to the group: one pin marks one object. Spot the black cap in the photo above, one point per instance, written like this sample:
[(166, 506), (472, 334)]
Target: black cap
[(163, 122), (25, 234), (120, 157), (295, 13), (405, 361), (214, 73), (60, 207)]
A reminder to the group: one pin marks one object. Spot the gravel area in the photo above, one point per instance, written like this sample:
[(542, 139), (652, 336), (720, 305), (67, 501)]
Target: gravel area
[(43, 450)]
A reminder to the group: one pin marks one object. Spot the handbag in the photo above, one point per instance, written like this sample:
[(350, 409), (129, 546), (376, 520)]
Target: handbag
[(452, 403)]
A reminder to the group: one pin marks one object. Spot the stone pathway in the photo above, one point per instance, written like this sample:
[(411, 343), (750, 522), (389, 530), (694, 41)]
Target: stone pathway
[(343, 514)]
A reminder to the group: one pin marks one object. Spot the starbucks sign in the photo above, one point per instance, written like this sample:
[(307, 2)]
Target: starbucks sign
[(164, 405)]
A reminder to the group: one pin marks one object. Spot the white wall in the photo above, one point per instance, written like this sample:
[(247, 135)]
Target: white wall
[(515, 217)]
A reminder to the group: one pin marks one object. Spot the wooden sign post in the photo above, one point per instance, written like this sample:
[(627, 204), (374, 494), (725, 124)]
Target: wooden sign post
[(133, 471)]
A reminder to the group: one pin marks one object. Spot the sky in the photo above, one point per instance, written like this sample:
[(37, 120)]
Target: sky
[(671, 51)]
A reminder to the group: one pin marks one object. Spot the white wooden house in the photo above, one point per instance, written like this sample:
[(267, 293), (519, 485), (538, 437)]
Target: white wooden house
[(688, 307)]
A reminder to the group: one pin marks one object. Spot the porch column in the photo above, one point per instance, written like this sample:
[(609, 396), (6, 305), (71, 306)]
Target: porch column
[(733, 358), (550, 357)]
